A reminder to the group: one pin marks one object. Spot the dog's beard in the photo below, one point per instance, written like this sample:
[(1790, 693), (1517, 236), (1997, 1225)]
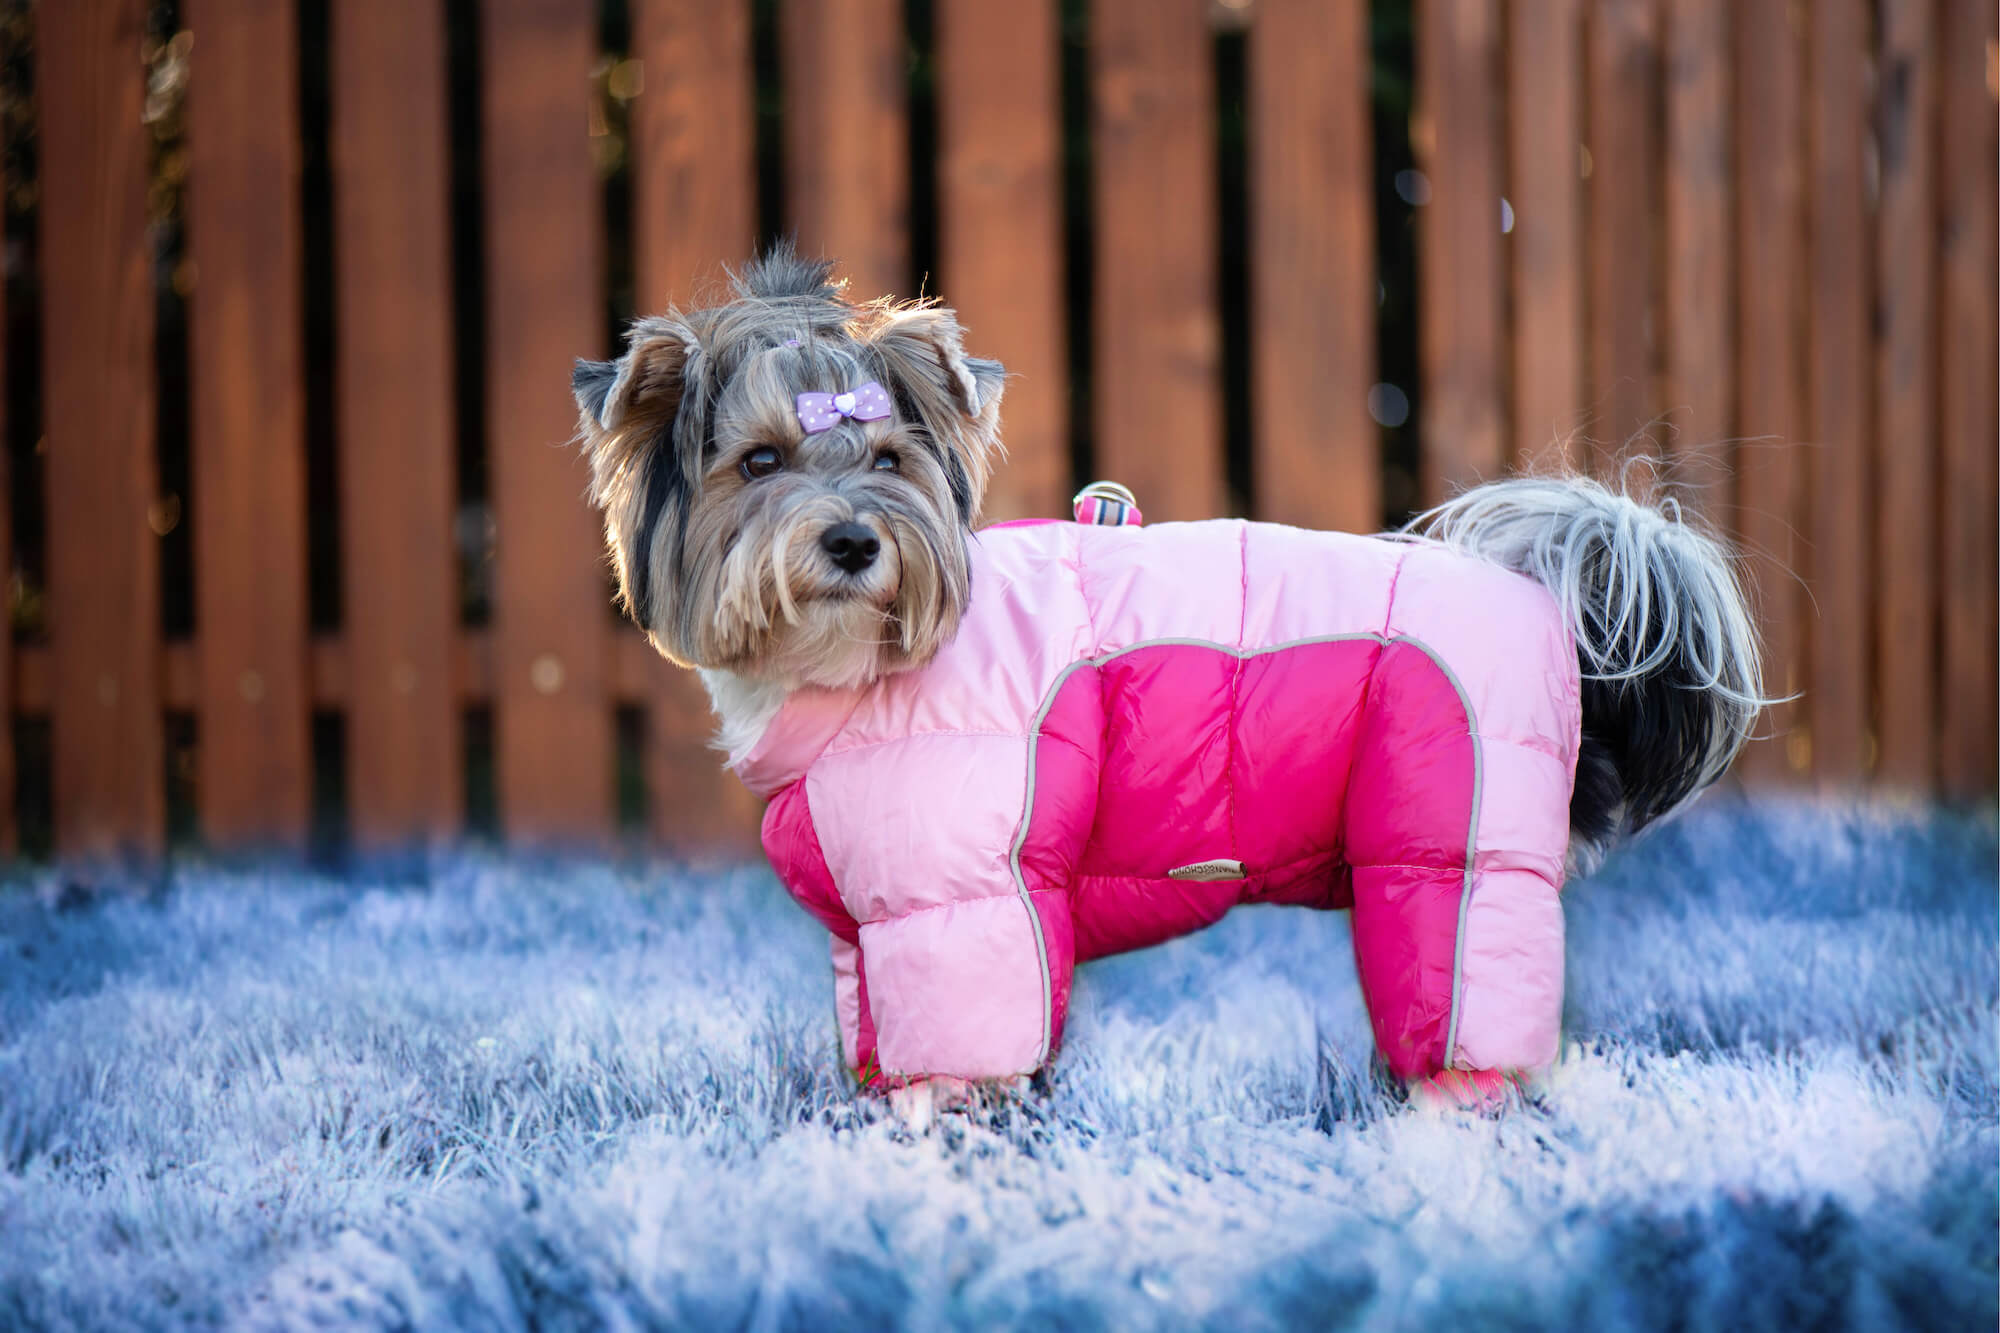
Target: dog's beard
[(781, 612)]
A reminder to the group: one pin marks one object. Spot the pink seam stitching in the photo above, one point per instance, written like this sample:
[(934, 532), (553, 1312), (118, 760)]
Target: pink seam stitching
[(1236, 677), (1389, 603), (1012, 895)]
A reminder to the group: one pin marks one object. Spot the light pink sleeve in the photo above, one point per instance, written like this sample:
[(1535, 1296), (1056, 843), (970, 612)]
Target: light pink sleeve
[(918, 836)]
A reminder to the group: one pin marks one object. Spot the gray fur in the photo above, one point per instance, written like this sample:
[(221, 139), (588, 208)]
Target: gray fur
[(1652, 601)]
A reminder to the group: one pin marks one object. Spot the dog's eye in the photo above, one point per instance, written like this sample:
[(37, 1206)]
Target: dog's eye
[(887, 462), (760, 463)]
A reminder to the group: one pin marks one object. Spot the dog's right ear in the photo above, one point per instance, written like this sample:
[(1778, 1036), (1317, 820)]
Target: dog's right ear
[(640, 469), (591, 381), (648, 380)]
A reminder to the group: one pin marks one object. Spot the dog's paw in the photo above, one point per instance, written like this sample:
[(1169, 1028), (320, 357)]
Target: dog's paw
[(1483, 1090), (918, 1104)]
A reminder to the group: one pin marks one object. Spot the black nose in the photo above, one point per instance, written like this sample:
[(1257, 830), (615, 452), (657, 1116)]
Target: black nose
[(851, 546)]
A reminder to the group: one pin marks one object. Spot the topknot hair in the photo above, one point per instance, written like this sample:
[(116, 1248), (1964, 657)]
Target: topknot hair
[(782, 271)]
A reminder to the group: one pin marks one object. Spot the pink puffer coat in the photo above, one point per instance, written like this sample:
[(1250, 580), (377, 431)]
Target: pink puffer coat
[(1135, 730)]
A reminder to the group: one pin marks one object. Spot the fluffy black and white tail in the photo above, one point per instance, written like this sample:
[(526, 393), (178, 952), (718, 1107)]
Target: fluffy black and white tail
[(1668, 651)]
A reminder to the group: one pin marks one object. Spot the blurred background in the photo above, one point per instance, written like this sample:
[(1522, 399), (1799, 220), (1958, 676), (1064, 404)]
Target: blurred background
[(295, 554)]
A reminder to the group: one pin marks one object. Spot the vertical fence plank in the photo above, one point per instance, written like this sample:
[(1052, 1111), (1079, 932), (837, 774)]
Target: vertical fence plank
[(1544, 185), (1966, 419), (246, 365), (393, 401), (551, 637), (1905, 446), (103, 561), (694, 208), (1458, 52), (1318, 452), (1700, 346), (1839, 374), (847, 147), (1001, 241), (1624, 73), (693, 195), (1156, 362), (1770, 378)]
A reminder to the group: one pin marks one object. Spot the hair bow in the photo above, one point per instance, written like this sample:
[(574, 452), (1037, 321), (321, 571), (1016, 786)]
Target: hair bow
[(823, 411)]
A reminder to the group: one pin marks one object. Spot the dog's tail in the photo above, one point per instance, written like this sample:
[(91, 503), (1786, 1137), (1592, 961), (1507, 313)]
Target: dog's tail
[(1664, 638)]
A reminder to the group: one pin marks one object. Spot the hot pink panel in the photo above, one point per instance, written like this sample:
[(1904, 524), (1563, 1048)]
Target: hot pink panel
[(1297, 717), (1059, 942), (1410, 808), (1118, 913), (1068, 757), (1405, 930), (1409, 799), (792, 843), (1166, 762), (850, 1005), (1322, 883)]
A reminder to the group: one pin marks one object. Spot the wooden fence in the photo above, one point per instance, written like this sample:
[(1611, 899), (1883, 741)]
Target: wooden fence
[(1755, 239)]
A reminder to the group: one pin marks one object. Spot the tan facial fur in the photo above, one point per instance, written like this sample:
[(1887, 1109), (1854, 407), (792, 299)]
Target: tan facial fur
[(717, 502)]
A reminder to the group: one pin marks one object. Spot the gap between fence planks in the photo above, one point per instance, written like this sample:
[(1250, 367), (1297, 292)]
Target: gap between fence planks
[(98, 405), (552, 715), (1001, 239), (393, 403), (1156, 355), (248, 501), (1318, 460)]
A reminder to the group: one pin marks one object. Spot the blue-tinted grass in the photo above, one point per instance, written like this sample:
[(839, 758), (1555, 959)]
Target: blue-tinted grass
[(529, 1096)]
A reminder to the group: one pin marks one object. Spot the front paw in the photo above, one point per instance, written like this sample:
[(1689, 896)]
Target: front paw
[(918, 1104), (1483, 1090)]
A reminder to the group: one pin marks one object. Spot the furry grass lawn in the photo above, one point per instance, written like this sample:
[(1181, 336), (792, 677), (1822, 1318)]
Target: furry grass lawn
[(513, 1095)]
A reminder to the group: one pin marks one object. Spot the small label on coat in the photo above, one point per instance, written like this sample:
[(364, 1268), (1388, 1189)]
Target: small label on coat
[(1220, 868)]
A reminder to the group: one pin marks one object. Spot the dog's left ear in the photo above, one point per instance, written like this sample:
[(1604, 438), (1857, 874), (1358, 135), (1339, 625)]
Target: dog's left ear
[(954, 397)]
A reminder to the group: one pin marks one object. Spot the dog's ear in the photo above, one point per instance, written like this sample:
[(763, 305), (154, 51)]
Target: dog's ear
[(641, 473), (591, 381), (955, 398), (649, 378)]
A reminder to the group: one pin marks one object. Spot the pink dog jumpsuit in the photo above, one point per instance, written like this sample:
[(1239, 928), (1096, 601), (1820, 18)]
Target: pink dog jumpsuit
[(1135, 730)]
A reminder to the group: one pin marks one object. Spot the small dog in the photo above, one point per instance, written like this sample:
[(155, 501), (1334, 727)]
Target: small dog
[(992, 754)]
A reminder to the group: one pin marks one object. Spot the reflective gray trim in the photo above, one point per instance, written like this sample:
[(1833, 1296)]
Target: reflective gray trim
[(1062, 678)]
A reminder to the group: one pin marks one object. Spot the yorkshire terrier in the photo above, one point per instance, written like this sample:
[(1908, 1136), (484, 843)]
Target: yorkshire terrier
[(993, 753)]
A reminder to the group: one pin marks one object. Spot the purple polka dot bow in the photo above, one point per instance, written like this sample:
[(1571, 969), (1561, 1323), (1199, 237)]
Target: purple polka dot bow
[(823, 411)]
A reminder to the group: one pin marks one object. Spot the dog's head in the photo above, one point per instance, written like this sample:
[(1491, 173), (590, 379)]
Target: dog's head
[(788, 479)]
